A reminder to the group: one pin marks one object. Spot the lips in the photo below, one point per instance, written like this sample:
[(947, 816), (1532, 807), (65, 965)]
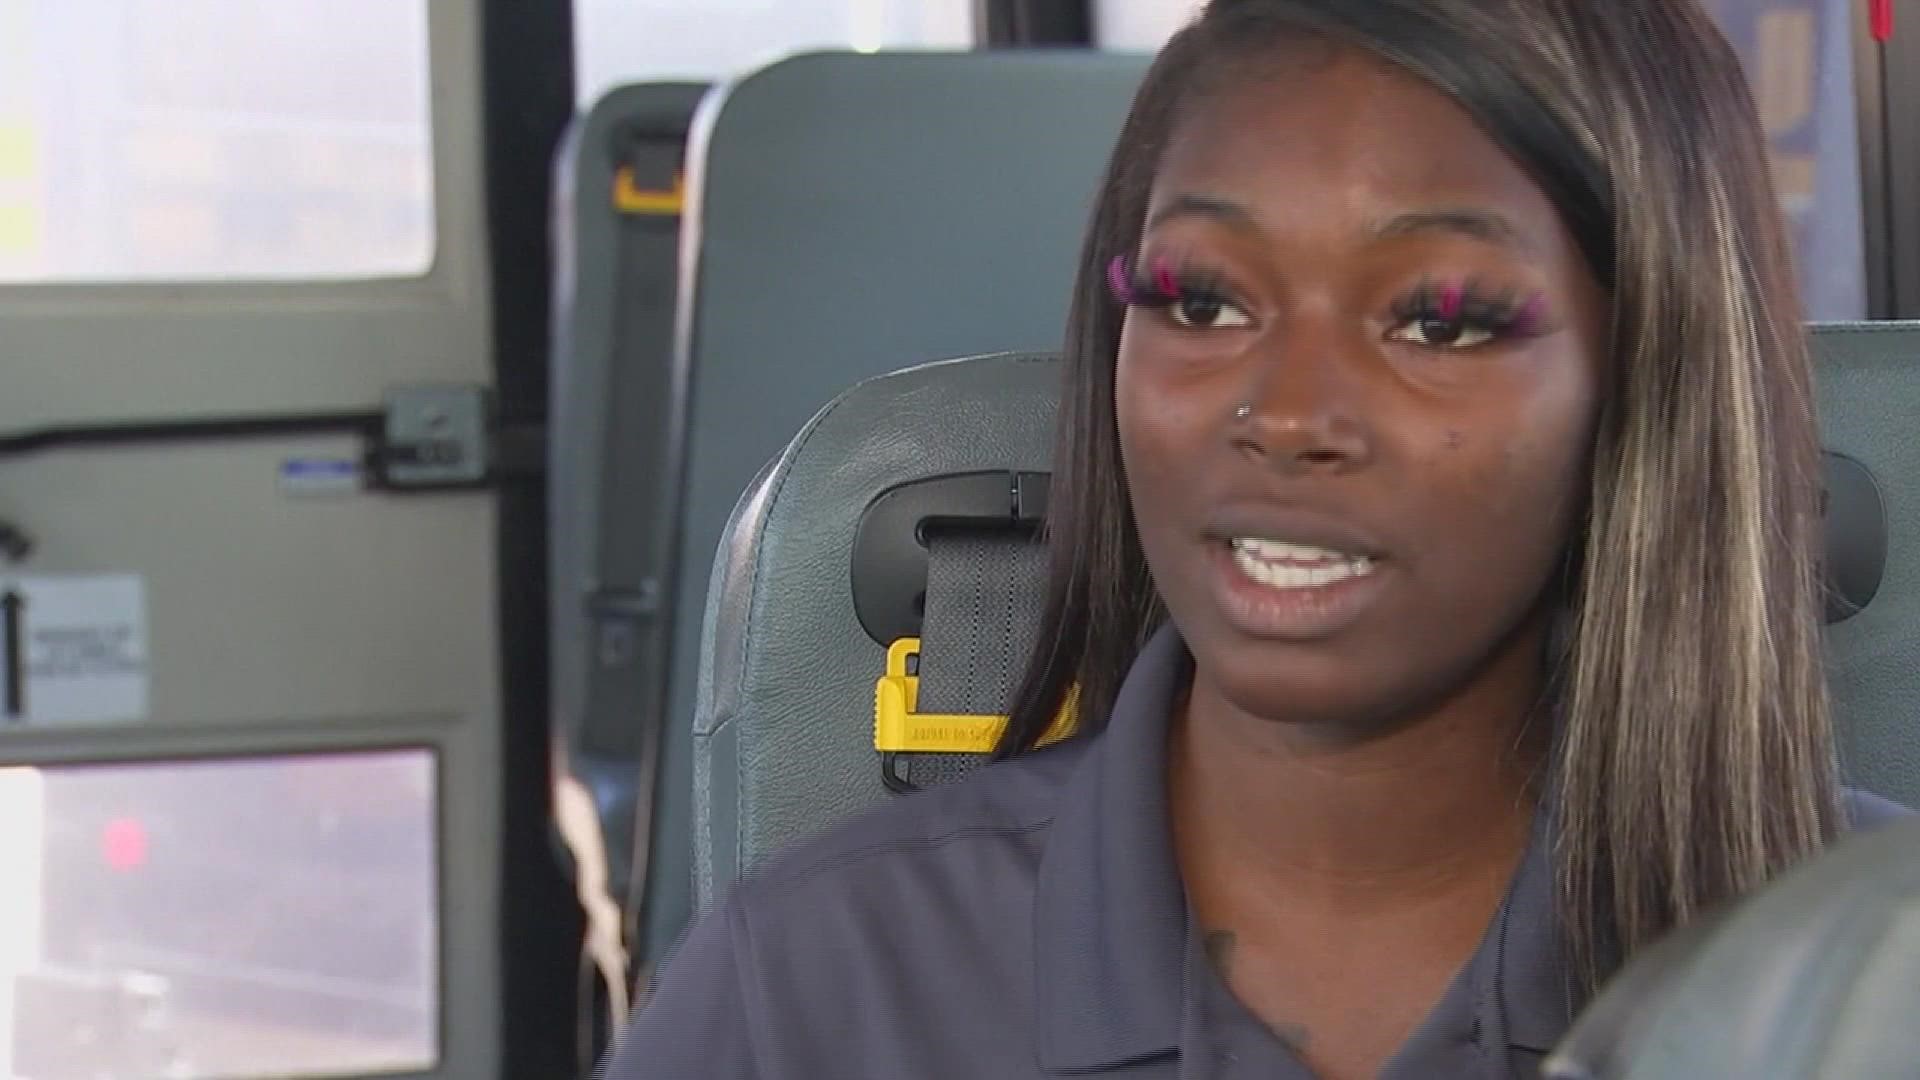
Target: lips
[(1289, 575), (1285, 534)]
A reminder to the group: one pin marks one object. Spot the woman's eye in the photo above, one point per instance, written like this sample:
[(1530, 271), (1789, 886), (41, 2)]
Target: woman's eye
[(1204, 311), (1440, 332)]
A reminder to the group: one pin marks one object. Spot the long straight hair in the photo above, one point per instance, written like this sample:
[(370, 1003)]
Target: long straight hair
[(1694, 755)]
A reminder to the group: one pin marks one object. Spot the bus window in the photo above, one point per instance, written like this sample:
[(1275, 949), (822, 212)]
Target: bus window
[(1799, 59), (623, 41), (128, 153), (270, 916), (1140, 25)]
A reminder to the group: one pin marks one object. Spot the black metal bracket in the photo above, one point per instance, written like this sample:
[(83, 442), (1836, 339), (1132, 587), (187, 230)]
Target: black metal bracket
[(1036, 23), (427, 438), (890, 548), (1854, 552)]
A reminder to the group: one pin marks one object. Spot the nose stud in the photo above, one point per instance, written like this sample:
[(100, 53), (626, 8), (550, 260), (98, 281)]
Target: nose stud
[(1244, 411)]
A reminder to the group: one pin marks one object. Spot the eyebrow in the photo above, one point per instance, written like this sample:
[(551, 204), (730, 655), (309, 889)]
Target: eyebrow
[(1487, 226), (1484, 225), (1212, 207)]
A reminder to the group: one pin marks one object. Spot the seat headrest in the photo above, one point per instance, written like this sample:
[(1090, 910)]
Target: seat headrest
[(783, 725)]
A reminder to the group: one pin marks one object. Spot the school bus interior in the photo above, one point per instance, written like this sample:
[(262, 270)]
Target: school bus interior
[(469, 468)]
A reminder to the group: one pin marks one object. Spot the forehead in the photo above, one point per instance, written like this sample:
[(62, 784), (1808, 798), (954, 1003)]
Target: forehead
[(1330, 135)]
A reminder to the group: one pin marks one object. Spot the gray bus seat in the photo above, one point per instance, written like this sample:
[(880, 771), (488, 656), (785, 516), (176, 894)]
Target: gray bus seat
[(784, 727), (1817, 975), (615, 398), (850, 214), (1868, 386), (785, 721)]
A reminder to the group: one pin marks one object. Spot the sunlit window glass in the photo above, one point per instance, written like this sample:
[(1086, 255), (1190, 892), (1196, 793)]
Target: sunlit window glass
[(623, 41), (190, 140), (233, 919), (1799, 60)]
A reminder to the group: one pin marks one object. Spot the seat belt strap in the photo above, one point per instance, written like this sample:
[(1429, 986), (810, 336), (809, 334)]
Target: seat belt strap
[(985, 593)]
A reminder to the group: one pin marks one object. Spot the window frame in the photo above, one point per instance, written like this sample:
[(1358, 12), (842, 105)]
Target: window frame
[(318, 361), (81, 354), (1887, 82), (1003, 24), (462, 992)]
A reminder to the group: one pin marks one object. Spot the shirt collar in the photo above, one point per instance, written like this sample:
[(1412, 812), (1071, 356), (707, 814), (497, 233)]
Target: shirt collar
[(1110, 908), (1531, 992)]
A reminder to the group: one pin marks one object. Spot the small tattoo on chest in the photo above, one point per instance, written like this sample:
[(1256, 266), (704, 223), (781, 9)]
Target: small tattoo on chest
[(1294, 1035), (1219, 948)]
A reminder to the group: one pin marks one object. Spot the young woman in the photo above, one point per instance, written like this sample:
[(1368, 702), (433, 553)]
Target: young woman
[(1436, 562)]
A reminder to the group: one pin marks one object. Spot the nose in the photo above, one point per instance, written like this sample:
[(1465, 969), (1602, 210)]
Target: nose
[(1302, 413)]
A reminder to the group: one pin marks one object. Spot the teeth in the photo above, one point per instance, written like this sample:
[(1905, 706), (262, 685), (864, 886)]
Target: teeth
[(1275, 551), (1296, 566)]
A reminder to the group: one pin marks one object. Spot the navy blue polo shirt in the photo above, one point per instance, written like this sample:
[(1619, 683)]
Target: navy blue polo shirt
[(1030, 921)]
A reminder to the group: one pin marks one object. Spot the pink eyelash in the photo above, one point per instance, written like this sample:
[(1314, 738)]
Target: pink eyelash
[(1163, 278), (1528, 320), (1450, 300), (1119, 281)]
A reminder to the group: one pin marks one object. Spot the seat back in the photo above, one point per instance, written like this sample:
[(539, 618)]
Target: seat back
[(784, 727), (792, 650), (616, 399), (852, 214), (1868, 383), (1818, 974)]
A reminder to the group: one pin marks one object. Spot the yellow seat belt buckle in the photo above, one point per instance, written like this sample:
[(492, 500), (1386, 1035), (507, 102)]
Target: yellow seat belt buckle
[(630, 198), (899, 728)]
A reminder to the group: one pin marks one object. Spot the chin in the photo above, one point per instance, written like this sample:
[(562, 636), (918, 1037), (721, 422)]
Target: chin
[(1305, 686)]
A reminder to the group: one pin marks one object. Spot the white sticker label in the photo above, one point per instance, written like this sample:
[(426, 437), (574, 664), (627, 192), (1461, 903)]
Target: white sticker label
[(73, 650)]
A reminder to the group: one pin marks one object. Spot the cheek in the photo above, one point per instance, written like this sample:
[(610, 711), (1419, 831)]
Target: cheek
[(1156, 420), (1522, 471), (1169, 440)]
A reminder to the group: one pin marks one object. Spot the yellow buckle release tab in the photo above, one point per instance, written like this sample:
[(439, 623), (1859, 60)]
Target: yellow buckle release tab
[(898, 728), (629, 198)]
